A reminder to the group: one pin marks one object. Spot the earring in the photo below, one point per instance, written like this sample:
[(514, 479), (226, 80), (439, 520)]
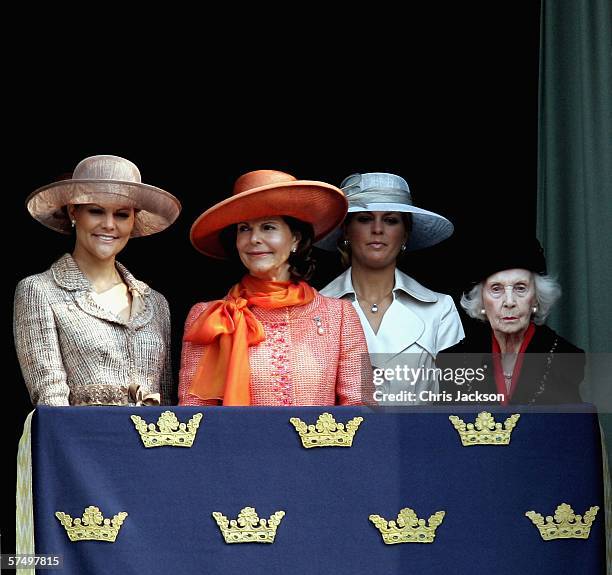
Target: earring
[(346, 243), (293, 250), (73, 222), (535, 309), (483, 311), (403, 248)]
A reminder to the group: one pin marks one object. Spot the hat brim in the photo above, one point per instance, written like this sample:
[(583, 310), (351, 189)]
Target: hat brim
[(156, 208), (322, 205), (428, 228)]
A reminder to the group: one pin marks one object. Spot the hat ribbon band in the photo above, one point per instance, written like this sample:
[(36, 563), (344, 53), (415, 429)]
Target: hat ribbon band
[(379, 196)]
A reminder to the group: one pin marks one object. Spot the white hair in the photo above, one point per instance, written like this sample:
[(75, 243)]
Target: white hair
[(547, 292)]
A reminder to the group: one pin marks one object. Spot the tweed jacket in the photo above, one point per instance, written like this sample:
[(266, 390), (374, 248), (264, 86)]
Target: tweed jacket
[(418, 324), (71, 351), (297, 363), (551, 373)]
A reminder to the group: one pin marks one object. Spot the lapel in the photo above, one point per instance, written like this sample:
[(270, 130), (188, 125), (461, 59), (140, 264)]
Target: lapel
[(537, 363), (70, 278), (399, 329), (404, 321), (340, 287), (407, 316)]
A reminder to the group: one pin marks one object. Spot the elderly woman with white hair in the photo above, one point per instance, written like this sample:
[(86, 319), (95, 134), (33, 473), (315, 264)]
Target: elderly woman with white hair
[(526, 362)]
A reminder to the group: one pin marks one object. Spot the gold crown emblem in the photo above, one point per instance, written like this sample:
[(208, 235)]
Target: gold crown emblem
[(485, 431), (326, 432), (93, 526), (170, 432), (565, 525), (408, 528), (249, 528)]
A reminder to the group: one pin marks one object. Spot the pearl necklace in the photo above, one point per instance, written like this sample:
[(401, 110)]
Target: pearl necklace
[(373, 306)]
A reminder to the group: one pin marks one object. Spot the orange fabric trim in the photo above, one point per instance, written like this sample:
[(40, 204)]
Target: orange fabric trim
[(228, 327)]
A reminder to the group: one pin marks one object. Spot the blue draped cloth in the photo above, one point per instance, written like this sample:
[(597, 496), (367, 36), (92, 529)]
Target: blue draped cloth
[(253, 457)]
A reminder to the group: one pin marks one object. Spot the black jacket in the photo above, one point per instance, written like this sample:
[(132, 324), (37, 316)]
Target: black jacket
[(551, 373)]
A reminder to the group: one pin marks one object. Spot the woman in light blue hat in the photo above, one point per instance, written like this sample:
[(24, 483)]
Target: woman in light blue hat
[(405, 323)]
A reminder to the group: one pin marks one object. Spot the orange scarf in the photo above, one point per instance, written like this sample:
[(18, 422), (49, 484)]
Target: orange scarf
[(229, 327)]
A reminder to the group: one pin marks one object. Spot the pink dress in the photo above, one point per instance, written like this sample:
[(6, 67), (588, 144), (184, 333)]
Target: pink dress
[(314, 354)]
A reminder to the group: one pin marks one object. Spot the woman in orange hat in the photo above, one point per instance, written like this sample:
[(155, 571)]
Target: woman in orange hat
[(273, 340), (87, 332)]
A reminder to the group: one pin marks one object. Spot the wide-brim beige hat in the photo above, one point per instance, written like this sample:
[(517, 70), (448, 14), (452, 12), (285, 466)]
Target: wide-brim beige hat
[(264, 193), (105, 180)]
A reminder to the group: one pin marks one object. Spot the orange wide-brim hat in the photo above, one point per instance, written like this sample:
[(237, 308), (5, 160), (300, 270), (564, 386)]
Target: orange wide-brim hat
[(265, 193)]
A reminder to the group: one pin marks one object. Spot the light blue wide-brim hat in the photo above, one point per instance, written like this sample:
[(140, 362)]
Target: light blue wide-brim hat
[(382, 192)]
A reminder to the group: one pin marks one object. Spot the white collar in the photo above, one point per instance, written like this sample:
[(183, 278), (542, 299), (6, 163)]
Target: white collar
[(343, 285)]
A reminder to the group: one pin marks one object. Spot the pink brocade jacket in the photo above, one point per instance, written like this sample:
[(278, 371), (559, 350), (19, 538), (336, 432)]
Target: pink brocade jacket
[(314, 354)]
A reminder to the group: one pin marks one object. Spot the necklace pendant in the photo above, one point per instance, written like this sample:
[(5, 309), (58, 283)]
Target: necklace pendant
[(374, 308)]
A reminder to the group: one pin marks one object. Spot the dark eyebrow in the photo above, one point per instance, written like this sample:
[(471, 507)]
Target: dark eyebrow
[(98, 206)]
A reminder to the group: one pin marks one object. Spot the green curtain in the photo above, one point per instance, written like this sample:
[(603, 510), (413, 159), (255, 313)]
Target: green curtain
[(575, 165), (575, 179)]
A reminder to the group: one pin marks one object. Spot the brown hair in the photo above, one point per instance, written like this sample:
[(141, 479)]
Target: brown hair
[(301, 263), (345, 249)]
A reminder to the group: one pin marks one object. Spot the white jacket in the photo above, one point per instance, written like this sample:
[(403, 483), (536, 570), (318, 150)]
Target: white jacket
[(417, 325)]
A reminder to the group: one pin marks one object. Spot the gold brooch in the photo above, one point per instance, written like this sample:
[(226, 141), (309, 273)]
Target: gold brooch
[(565, 525), (170, 432), (408, 528), (249, 528), (485, 431), (93, 526), (326, 432)]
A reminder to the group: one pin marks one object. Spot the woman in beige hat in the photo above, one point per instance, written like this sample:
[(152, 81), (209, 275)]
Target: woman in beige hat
[(86, 331), (273, 340)]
